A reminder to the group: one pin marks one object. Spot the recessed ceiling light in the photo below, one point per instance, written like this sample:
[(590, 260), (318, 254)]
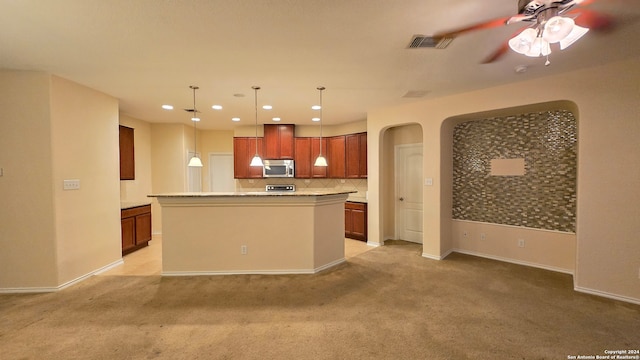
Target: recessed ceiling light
[(276, 119), (216, 107), (315, 119), (195, 118), (267, 107), (316, 107), (236, 119), (167, 107)]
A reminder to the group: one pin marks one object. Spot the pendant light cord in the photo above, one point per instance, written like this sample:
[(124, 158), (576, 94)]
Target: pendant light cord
[(321, 88), (256, 88)]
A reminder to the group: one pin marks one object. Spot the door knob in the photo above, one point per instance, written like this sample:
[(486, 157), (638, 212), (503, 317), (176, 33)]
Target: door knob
[(401, 199)]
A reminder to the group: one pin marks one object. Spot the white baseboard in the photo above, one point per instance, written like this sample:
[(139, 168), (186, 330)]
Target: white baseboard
[(255, 272), (607, 295), (515, 261), (62, 286), (436, 257)]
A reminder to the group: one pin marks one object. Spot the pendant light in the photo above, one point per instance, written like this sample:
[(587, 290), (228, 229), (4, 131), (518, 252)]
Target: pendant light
[(320, 160), (195, 160), (256, 161)]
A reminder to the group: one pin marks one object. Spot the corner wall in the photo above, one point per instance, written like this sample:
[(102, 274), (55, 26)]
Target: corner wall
[(84, 138), (27, 223)]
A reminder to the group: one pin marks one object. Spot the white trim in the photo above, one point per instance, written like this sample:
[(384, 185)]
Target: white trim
[(436, 257), (255, 272), (62, 286), (607, 295), (514, 261), (374, 244)]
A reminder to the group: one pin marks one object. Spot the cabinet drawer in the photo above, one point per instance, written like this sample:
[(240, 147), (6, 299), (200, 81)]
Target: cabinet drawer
[(355, 206), (135, 211)]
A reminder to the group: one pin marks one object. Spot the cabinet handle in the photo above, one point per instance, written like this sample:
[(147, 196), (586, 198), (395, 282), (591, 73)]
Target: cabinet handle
[(401, 199)]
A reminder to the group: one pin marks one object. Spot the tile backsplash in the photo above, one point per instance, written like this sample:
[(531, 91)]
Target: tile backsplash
[(359, 185)]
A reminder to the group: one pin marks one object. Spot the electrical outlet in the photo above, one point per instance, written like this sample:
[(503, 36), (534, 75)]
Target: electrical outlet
[(483, 236), (243, 249), (71, 184), (521, 243)]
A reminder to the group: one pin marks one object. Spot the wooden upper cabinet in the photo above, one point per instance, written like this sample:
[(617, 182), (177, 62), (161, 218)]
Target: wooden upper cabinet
[(356, 155), (302, 157), (244, 149), (127, 156), (279, 141), (318, 171), (336, 157), (306, 151)]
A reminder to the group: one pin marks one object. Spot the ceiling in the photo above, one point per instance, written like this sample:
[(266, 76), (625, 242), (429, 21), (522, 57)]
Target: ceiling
[(147, 53)]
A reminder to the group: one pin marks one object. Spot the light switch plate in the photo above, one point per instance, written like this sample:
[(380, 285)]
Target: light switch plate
[(73, 184), (428, 181)]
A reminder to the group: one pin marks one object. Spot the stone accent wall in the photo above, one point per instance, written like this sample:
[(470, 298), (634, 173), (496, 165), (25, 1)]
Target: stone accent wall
[(544, 197)]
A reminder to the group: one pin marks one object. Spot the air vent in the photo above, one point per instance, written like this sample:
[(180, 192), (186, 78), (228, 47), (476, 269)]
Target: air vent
[(421, 41), (415, 93)]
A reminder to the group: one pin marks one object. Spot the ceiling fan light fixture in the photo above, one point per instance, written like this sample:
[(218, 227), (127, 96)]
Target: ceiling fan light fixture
[(576, 33), (540, 47), (523, 42), (557, 28)]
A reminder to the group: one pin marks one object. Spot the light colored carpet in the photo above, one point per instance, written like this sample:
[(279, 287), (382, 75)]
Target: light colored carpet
[(385, 303)]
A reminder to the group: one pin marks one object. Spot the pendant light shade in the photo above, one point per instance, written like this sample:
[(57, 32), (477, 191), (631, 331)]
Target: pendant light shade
[(256, 161), (195, 160), (320, 160)]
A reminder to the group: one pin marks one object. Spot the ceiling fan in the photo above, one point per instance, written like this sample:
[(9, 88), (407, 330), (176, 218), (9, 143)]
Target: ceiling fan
[(552, 23)]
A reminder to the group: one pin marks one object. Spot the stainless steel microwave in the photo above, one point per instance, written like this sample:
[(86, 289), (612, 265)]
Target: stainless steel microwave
[(278, 168)]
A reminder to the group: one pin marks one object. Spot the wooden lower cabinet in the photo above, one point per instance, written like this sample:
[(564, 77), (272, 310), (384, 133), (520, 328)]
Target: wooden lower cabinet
[(136, 228), (355, 220)]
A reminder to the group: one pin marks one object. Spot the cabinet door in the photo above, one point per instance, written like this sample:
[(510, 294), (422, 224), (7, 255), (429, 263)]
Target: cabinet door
[(302, 158), (359, 224), (278, 141), (352, 156), (363, 155), (286, 141), (128, 227), (244, 149), (348, 221), (318, 171), (143, 228), (335, 157), (127, 156)]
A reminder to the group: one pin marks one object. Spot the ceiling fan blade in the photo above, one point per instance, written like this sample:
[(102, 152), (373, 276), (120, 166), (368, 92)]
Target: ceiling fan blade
[(497, 54), (594, 20), (485, 25)]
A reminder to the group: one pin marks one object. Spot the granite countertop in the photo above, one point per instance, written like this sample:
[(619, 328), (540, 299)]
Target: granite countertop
[(132, 204), (357, 199), (252, 193)]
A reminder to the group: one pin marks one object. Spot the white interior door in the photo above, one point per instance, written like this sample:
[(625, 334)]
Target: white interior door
[(409, 207), (221, 173)]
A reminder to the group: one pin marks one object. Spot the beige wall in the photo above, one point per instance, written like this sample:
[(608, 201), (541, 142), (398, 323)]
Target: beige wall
[(84, 135), (138, 189), (27, 222), (608, 154), (308, 130), (51, 130), (169, 147)]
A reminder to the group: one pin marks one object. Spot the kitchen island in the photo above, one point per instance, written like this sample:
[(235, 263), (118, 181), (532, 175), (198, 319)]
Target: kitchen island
[(252, 232)]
